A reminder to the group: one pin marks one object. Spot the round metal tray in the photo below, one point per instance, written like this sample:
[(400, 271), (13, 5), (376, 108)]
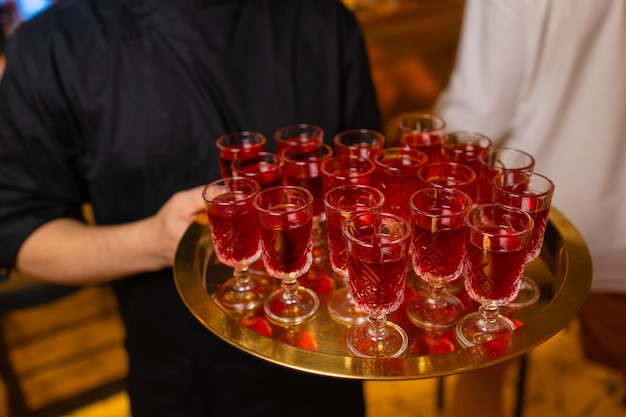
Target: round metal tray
[(563, 272)]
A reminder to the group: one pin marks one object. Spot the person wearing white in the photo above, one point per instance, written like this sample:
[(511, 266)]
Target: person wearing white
[(548, 77)]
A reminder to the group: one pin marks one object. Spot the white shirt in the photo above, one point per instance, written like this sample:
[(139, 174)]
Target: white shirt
[(549, 77)]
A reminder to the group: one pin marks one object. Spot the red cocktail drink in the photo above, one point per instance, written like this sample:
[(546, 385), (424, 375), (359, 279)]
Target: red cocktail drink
[(494, 264), (497, 242), (363, 143), (497, 160), (346, 170), (423, 132), (396, 177), (464, 147), (302, 169), (437, 256), (341, 204), (378, 246), (238, 145), (378, 283), (438, 243), (287, 241), (448, 175), (307, 136), (235, 232), (531, 192), (285, 217), (266, 169)]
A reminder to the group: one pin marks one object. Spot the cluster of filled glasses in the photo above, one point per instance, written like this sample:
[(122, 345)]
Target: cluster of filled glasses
[(447, 205)]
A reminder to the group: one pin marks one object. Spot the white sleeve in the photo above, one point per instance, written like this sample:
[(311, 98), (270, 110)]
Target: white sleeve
[(483, 88)]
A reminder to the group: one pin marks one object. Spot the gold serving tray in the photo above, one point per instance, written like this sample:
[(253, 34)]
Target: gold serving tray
[(563, 272)]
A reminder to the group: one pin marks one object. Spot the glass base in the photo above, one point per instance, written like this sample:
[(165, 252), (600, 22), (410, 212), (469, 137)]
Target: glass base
[(431, 314), (362, 342), (474, 330), (342, 309), (249, 296), (528, 295), (282, 310)]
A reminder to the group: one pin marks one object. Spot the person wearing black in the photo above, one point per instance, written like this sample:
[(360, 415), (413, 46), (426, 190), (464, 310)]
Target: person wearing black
[(117, 104)]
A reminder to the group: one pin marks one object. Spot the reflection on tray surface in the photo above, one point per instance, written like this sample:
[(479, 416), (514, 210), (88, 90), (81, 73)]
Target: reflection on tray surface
[(323, 334)]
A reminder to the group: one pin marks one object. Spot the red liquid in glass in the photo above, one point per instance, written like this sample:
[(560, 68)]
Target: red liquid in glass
[(464, 153), (286, 242), (312, 182), (378, 277), (398, 181), (304, 143), (451, 182), (266, 175), (539, 209), (238, 151), (345, 177), (449, 175), (235, 232), (426, 142), (484, 191), (490, 273), (437, 256), (362, 150)]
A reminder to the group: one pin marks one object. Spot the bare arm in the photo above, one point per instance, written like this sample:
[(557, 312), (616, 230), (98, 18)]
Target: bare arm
[(69, 252)]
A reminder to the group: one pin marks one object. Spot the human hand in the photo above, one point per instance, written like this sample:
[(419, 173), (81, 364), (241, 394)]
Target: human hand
[(172, 220)]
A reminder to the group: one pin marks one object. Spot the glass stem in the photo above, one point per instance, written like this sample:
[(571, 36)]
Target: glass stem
[(290, 290), (436, 294), (242, 279), (376, 328), (488, 315)]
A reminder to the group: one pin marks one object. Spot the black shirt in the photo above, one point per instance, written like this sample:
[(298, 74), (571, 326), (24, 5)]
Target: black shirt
[(118, 103)]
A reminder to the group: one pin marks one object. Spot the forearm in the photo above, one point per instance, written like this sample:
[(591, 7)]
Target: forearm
[(69, 252)]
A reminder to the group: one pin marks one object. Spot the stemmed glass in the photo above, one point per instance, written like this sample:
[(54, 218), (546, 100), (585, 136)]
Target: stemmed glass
[(286, 218), (378, 247), (238, 145), (448, 175), (345, 170), (303, 169), (438, 248), (463, 147), (341, 204), (266, 168), (235, 232), (396, 177), (497, 241), (531, 192), (454, 175), (304, 135), (495, 160), (423, 132), (365, 143)]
